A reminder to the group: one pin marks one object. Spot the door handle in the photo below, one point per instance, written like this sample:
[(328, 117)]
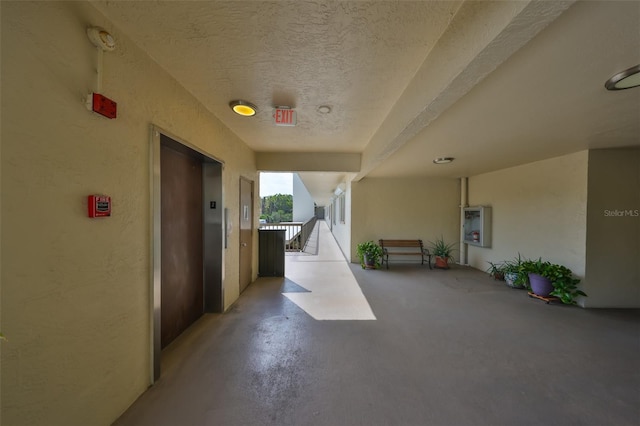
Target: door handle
[(243, 244)]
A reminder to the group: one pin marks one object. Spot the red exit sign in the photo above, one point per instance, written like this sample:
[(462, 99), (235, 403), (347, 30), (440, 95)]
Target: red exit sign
[(284, 117)]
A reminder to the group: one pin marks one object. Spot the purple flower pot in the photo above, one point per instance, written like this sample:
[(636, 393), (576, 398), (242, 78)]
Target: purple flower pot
[(369, 262), (540, 285)]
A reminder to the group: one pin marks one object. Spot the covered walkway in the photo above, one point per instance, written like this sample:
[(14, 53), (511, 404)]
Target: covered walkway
[(321, 283), (447, 348)]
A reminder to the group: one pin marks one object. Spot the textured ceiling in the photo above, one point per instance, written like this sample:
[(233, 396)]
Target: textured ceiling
[(548, 99), (494, 84), (356, 57)]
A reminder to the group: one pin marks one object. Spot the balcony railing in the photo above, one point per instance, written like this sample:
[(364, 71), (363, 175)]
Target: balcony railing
[(306, 230), (296, 233)]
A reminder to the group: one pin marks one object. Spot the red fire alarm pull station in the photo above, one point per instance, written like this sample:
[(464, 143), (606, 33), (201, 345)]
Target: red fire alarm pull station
[(99, 205), (103, 105)]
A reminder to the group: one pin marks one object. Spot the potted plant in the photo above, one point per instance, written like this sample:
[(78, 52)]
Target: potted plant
[(442, 252), (496, 270), (514, 273), (550, 279), (370, 254)]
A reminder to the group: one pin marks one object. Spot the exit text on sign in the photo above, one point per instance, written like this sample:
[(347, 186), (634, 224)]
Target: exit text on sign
[(284, 117)]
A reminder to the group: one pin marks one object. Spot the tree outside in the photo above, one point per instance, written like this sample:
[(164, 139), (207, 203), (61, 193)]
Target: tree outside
[(277, 208)]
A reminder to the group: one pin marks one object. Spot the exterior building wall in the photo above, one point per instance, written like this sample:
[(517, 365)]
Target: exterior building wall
[(341, 227), (76, 291), (411, 208), (613, 229), (538, 210), (303, 205)]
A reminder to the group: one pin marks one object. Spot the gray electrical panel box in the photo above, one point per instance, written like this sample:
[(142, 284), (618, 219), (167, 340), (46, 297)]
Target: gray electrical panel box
[(477, 226)]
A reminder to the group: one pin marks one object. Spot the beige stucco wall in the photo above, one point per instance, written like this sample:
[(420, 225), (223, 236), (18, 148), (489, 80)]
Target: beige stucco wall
[(613, 229), (538, 210), (411, 208), (342, 230), (75, 291), (308, 161)]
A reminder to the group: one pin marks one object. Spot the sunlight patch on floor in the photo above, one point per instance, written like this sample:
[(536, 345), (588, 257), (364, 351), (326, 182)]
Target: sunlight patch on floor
[(334, 293)]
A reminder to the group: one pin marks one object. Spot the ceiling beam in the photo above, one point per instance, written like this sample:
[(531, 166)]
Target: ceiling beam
[(307, 162), (482, 35)]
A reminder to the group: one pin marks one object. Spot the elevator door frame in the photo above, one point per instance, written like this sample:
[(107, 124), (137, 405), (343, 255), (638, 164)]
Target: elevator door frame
[(213, 234)]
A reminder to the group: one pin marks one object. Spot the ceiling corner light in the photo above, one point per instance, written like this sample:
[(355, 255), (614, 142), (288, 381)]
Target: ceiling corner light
[(324, 109), (243, 108), (443, 160), (624, 80)]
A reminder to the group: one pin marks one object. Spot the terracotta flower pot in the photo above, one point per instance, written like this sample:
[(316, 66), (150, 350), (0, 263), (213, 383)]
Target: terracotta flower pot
[(442, 262)]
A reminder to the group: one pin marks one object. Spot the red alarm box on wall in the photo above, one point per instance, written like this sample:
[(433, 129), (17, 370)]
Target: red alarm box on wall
[(99, 205)]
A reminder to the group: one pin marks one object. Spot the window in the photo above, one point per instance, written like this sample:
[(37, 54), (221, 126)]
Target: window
[(341, 204), (334, 214)]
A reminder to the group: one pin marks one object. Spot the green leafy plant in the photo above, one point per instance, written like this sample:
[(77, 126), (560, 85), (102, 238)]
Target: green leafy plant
[(565, 285), (517, 270), (371, 251), (442, 249), (496, 270)]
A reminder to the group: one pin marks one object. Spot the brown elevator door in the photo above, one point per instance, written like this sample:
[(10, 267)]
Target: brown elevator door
[(181, 238)]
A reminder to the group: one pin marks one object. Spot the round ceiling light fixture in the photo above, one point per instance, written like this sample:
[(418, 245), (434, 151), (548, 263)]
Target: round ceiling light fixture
[(243, 108), (624, 80), (443, 160), (324, 109)]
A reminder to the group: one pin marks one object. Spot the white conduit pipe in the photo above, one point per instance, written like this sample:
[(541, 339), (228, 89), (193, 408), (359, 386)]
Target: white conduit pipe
[(464, 202), (99, 70)]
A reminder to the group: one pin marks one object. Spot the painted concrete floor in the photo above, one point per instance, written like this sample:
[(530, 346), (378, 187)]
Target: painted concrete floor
[(329, 289), (447, 348)]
